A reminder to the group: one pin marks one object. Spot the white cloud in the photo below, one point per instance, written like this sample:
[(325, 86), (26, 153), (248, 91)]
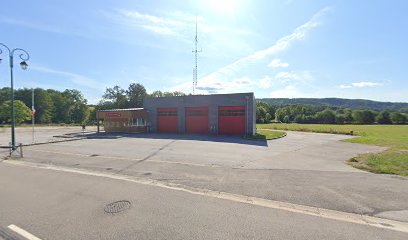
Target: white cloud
[(243, 81), (345, 86), (366, 84), (73, 77), (361, 85), (265, 82), (277, 63)]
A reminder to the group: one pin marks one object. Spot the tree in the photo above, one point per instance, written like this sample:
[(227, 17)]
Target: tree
[(296, 112), (21, 111), (262, 115), (62, 107), (178, 94), (326, 116), (384, 117), (4, 94), (135, 95), (92, 115), (340, 118), (348, 115), (398, 118), (166, 94), (24, 95), (75, 106), (43, 105), (80, 114), (300, 118), (281, 113), (156, 94), (363, 116), (115, 97)]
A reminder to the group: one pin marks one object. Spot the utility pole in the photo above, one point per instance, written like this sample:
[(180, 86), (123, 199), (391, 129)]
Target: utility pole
[(32, 112)]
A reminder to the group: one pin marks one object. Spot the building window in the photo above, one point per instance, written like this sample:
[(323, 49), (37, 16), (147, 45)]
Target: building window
[(167, 113), (137, 122), (232, 112)]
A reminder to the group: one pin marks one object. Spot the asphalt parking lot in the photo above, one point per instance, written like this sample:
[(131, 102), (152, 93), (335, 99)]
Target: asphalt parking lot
[(297, 151), (24, 135)]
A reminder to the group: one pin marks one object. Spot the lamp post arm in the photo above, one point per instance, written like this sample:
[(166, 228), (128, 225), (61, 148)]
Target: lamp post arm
[(8, 49), (23, 55), (9, 53)]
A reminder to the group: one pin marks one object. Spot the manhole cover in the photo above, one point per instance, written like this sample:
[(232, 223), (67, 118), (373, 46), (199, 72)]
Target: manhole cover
[(117, 207)]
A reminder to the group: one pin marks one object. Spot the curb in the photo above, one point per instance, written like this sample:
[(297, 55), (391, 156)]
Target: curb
[(267, 139), (284, 135), (58, 141)]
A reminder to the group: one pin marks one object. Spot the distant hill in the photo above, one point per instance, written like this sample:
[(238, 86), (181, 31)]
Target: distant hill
[(340, 102)]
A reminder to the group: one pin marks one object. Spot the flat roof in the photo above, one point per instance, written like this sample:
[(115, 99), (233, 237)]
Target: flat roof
[(121, 110), (205, 95)]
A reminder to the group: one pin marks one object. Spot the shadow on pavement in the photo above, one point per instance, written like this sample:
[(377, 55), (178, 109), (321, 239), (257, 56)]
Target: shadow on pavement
[(238, 139)]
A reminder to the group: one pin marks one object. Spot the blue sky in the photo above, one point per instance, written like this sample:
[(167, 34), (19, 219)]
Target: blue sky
[(289, 48)]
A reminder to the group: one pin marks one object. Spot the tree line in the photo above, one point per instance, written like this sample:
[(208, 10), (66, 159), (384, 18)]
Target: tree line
[(51, 106), (340, 103), (302, 113)]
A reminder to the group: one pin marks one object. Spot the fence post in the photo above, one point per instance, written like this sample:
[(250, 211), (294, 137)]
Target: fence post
[(21, 150)]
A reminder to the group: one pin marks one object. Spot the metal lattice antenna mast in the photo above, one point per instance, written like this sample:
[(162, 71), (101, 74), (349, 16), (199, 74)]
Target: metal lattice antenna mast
[(195, 51)]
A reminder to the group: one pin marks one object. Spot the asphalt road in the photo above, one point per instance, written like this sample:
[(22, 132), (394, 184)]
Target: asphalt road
[(57, 205)]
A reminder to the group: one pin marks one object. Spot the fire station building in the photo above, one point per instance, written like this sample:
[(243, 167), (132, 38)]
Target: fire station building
[(196, 114), (123, 120)]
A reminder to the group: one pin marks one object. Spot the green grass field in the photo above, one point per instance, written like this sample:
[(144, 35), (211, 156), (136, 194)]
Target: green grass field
[(395, 137)]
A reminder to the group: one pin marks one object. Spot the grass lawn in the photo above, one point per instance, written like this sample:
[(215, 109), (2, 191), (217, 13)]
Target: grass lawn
[(395, 137), (266, 134)]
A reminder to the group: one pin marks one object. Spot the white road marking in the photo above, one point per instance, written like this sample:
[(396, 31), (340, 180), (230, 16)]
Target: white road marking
[(290, 207), (124, 158), (23, 232)]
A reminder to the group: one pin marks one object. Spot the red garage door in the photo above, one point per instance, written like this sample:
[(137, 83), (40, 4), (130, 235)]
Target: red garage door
[(167, 120), (197, 119), (231, 119)]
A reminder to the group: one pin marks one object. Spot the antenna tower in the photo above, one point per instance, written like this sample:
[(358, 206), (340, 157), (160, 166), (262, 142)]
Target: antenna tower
[(195, 51)]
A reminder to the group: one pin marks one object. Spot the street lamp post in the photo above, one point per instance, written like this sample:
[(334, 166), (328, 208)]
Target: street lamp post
[(24, 56)]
